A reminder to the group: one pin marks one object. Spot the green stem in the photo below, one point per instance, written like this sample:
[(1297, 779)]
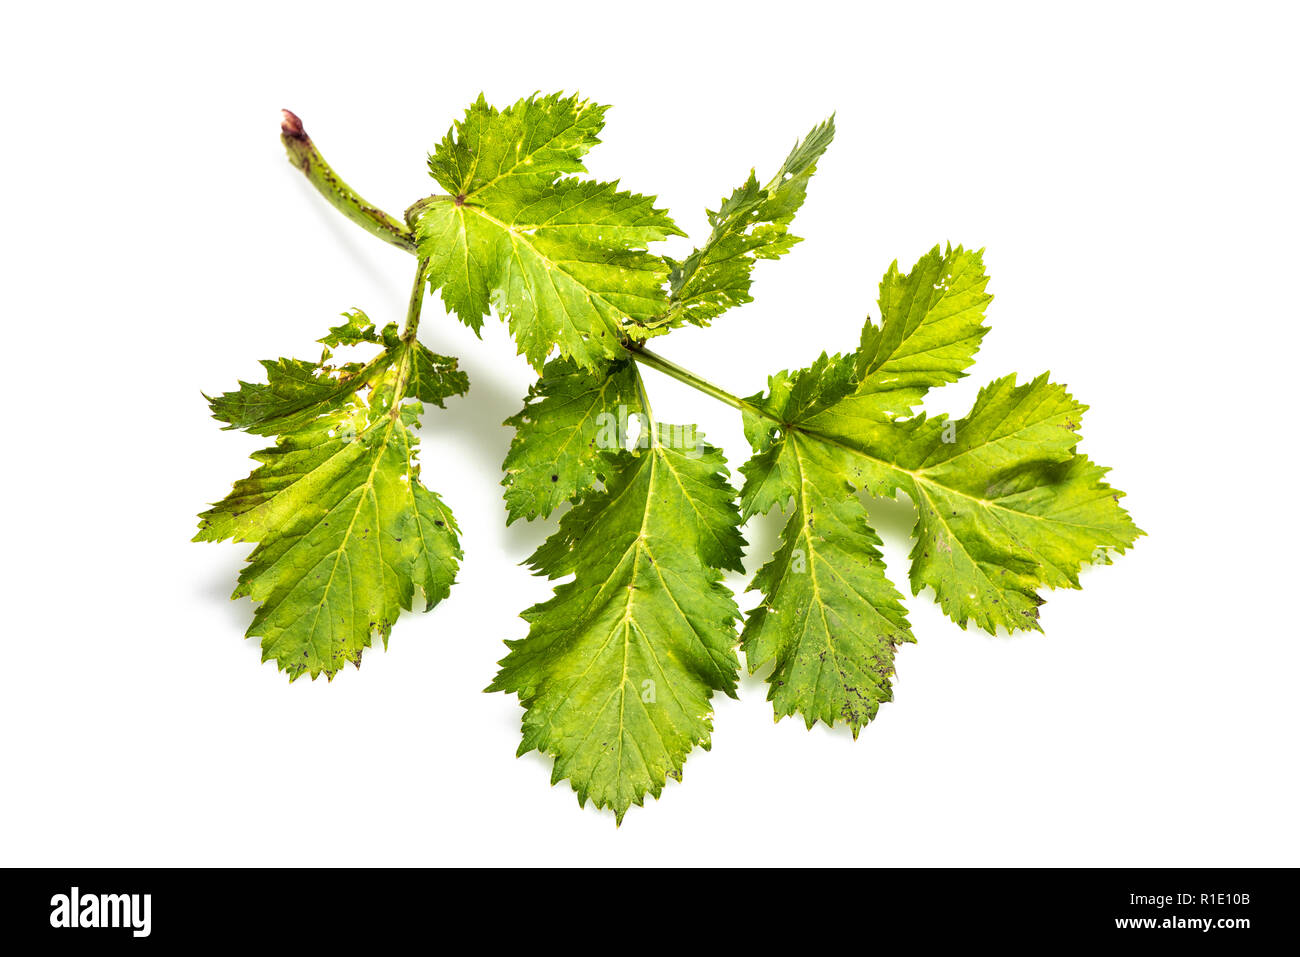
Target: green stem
[(654, 361), (409, 330), (420, 205), (304, 155), (416, 304)]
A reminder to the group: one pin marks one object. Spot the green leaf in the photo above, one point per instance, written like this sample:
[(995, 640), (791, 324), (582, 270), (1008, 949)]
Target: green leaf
[(434, 378), (359, 330), (618, 668), (750, 224), (830, 618), (346, 530), (1006, 504), (570, 418), (295, 393), (931, 327), (512, 152), (563, 261)]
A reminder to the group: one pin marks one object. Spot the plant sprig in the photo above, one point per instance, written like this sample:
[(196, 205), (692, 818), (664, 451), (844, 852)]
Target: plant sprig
[(617, 669)]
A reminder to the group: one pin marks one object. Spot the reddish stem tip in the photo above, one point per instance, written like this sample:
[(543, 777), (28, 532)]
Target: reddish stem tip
[(291, 126)]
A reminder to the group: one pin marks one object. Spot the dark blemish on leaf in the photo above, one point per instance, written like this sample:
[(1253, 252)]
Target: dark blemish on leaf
[(439, 523), (555, 478)]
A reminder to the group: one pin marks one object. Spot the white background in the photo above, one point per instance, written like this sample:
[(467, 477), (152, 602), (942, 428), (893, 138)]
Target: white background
[(1131, 170)]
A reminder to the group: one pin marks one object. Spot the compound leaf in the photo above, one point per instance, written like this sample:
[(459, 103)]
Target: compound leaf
[(345, 528), (1006, 504)]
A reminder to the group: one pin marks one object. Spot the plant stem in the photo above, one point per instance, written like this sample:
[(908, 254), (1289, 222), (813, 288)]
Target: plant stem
[(416, 304), (304, 155), (669, 368)]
